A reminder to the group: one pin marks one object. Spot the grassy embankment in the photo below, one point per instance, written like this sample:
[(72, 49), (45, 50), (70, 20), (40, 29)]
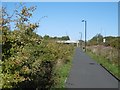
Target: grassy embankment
[(106, 62), (62, 73), (62, 70)]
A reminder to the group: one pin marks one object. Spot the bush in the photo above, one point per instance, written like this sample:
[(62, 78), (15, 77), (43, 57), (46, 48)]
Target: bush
[(28, 60)]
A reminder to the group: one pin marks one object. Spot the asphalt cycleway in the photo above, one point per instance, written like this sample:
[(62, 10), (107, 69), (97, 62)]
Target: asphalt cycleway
[(86, 73)]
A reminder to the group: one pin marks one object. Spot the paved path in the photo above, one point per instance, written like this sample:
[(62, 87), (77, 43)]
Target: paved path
[(86, 73)]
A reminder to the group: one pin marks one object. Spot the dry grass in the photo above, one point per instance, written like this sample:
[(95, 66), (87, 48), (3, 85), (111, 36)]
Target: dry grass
[(109, 53), (107, 56)]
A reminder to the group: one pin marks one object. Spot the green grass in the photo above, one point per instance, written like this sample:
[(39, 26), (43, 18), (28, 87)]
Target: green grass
[(107, 64), (62, 73)]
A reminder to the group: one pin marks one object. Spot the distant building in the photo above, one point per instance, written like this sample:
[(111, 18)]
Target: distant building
[(68, 42)]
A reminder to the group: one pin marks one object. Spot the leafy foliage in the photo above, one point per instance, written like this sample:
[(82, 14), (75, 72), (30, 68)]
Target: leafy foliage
[(110, 41), (97, 39), (28, 61), (57, 38), (113, 42), (106, 53)]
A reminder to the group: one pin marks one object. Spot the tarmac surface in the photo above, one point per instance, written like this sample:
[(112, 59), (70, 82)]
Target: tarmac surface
[(86, 73)]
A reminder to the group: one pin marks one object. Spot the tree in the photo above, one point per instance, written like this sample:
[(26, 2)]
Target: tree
[(97, 39), (28, 61), (16, 44), (46, 37), (65, 38)]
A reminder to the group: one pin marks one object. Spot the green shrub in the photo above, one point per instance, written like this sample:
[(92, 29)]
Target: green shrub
[(28, 60)]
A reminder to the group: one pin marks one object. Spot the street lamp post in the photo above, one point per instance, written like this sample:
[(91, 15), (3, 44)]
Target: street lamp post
[(85, 32), (80, 39)]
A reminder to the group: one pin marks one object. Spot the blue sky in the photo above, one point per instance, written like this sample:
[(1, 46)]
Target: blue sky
[(64, 18)]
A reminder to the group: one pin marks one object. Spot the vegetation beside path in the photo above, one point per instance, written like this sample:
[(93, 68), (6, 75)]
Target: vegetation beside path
[(28, 59), (107, 56)]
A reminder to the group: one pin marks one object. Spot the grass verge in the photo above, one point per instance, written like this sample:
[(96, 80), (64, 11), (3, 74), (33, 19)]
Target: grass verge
[(62, 73), (107, 64)]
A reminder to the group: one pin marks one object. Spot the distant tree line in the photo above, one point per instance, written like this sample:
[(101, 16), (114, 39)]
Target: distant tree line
[(56, 38), (109, 41)]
